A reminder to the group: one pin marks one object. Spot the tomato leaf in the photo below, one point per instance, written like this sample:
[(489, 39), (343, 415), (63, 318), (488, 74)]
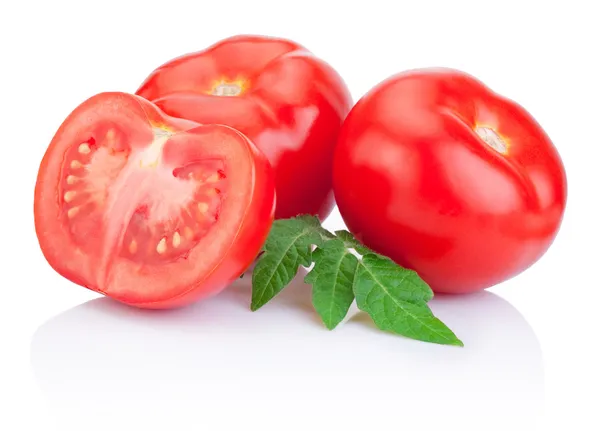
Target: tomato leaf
[(332, 278), (352, 242), (288, 246), (396, 299)]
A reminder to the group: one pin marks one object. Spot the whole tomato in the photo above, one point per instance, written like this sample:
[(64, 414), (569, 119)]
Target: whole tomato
[(447, 177), (287, 101)]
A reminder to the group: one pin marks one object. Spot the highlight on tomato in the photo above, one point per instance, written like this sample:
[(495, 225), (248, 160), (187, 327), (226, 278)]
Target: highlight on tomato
[(289, 102), (449, 178), (150, 210)]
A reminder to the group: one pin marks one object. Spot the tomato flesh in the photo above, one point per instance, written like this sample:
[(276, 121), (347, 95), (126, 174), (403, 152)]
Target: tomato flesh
[(290, 103), (169, 225), (150, 210), (449, 178)]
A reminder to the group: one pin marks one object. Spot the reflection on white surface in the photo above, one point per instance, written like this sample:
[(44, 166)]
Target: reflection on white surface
[(215, 364)]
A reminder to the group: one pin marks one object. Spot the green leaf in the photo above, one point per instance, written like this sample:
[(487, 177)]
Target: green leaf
[(332, 278), (352, 242), (396, 299), (288, 246)]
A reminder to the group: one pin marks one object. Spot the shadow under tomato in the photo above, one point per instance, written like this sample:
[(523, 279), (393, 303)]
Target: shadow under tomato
[(296, 297), (218, 362)]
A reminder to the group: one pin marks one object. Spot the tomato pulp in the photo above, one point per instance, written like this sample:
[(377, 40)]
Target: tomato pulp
[(287, 101), (150, 210), (447, 177)]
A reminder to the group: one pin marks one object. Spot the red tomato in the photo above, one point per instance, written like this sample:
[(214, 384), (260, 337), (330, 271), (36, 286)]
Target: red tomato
[(448, 178), (153, 211), (287, 101)]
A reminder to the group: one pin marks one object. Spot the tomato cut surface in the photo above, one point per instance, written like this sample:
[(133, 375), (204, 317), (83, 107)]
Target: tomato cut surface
[(289, 102), (151, 210)]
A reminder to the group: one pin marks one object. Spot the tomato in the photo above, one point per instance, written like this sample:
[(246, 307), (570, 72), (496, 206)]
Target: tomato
[(449, 178), (150, 210), (287, 101)]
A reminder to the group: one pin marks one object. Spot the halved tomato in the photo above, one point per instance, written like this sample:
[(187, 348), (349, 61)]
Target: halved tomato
[(151, 210)]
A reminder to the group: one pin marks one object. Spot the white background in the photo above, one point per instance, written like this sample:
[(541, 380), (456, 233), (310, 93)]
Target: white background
[(70, 361)]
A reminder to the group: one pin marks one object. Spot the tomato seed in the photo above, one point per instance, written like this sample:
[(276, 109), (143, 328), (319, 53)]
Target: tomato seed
[(72, 212), (70, 195), (162, 246), (132, 247), (213, 178), (176, 239), (84, 149)]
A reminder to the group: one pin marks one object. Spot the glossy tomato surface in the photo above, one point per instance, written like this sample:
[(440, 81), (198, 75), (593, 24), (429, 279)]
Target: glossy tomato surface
[(290, 103), (150, 210), (449, 178)]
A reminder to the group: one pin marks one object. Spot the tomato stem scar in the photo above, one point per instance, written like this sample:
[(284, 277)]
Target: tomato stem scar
[(227, 88), (492, 138)]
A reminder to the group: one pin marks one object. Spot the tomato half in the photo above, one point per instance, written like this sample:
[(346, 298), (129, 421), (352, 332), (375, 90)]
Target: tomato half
[(449, 178), (153, 211), (287, 101)]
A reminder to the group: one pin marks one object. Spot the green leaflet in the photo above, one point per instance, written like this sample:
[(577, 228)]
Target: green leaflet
[(288, 246), (332, 278), (352, 242), (395, 298)]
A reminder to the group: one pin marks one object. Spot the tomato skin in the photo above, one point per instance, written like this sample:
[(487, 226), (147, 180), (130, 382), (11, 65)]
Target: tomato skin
[(97, 262), (292, 105), (414, 181)]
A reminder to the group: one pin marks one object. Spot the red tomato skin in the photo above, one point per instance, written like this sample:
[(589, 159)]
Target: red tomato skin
[(292, 107), (413, 180), (69, 261)]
